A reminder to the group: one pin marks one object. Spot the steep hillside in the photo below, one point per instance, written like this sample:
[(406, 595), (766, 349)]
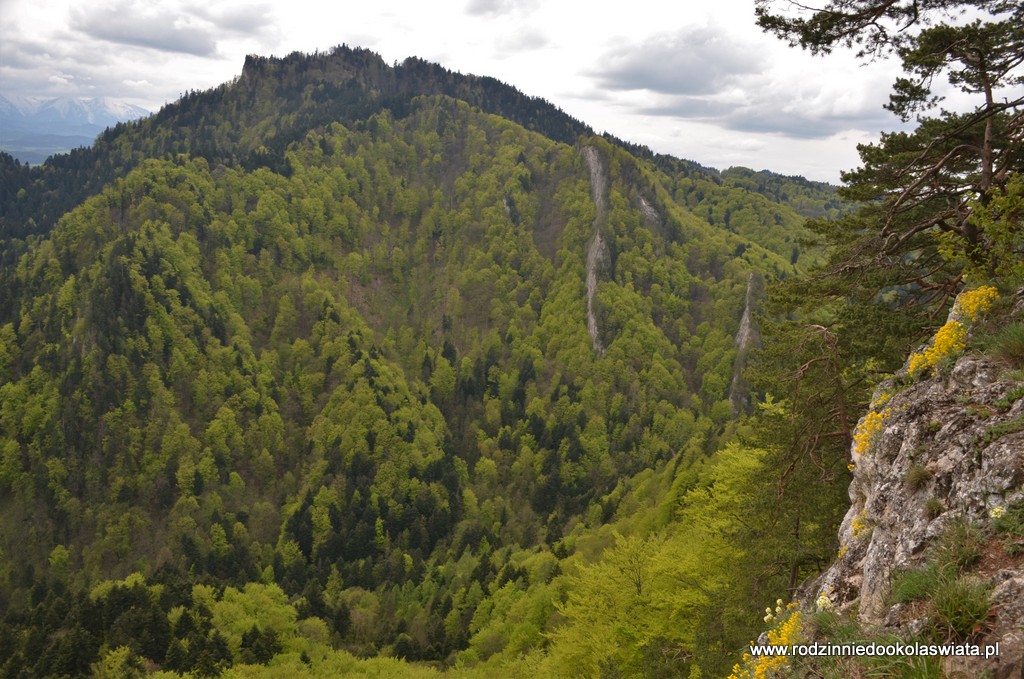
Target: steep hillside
[(343, 363)]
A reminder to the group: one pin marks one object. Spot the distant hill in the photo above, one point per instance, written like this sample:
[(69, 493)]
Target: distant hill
[(34, 128)]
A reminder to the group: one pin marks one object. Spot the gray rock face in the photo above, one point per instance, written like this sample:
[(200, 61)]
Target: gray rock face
[(948, 447), (597, 252)]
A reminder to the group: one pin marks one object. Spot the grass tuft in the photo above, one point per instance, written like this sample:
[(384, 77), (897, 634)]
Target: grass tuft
[(960, 547), (1007, 346), (961, 605), (916, 584), (933, 507), (917, 476)]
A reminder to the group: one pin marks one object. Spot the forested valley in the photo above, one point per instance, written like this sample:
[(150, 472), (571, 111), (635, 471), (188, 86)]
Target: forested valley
[(344, 368)]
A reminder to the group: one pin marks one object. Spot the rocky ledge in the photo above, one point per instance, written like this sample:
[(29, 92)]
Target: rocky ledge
[(947, 449)]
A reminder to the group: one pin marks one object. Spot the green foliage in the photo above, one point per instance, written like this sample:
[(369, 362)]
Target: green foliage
[(653, 593), (118, 663), (958, 600), (999, 430), (960, 546), (998, 217), (916, 584), (1011, 397), (699, 567), (1007, 345), (250, 122), (828, 627), (809, 199), (933, 202), (1010, 520), (961, 605), (1009, 523), (939, 198)]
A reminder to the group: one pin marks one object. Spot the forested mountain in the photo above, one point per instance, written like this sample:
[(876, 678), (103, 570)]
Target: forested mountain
[(347, 368), (324, 334)]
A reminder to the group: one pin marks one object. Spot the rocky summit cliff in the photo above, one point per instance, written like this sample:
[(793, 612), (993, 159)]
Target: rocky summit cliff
[(934, 525)]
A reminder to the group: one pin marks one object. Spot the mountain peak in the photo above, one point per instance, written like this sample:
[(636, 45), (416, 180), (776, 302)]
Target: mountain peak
[(33, 128), (92, 109)]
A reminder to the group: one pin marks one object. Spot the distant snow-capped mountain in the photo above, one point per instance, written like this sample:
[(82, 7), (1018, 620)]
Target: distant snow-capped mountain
[(34, 128), (93, 111)]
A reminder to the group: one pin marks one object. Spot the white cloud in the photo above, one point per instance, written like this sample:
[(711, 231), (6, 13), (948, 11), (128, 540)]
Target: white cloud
[(526, 39), (500, 7), (157, 27), (692, 61)]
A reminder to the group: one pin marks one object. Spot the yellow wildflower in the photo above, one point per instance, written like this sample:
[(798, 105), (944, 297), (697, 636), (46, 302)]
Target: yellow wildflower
[(951, 339), (973, 303), (785, 632), (865, 433), (860, 525), (882, 399)]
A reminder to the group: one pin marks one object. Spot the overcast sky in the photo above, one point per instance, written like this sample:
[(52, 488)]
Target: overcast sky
[(694, 79)]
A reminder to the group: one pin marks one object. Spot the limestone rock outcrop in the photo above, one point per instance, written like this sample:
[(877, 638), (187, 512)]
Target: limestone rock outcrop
[(948, 448)]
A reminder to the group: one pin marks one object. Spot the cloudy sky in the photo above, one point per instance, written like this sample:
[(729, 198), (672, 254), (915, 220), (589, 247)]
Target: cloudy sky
[(694, 79)]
